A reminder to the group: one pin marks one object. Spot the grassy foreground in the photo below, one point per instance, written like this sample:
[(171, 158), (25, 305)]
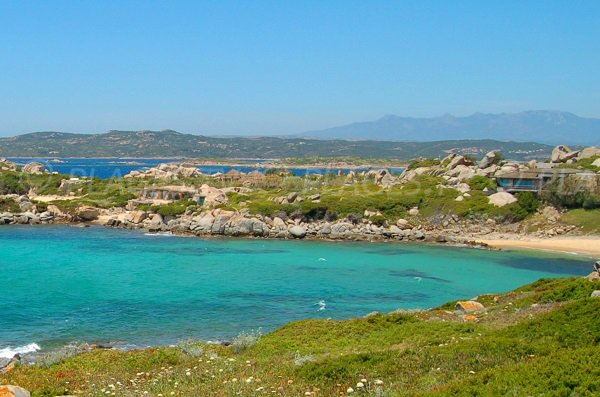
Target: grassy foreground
[(541, 339)]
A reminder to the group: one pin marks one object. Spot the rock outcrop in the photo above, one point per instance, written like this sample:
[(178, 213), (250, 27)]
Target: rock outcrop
[(167, 171), (7, 165), (502, 199), (588, 153), (469, 306), (13, 391), (87, 213), (297, 231), (489, 159), (34, 168), (595, 274), (562, 153), (213, 196)]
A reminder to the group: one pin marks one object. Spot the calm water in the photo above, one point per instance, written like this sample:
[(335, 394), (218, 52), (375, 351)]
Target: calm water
[(65, 284), (108, 168)]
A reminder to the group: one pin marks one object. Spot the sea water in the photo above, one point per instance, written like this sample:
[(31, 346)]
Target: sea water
[(105, 168), (65, 284)]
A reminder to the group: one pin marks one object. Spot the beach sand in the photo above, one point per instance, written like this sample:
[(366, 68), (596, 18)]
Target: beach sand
[(589, 246)]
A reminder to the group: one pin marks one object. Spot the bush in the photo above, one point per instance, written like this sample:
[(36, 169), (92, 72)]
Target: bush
[(11, 183), (378, 220), (480, 182), (423, 163), (191, 347), (591, 202), (571, 193), (354, 218), (245, 340), (528, 201), (41, 206), (173, 209), (330, 216), (10, 205)]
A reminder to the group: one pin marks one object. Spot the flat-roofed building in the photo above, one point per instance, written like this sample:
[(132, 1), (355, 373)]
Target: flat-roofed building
[(536, 179)]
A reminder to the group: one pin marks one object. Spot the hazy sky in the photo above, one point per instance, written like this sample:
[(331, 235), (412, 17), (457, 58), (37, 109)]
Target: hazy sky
[(266, 67)]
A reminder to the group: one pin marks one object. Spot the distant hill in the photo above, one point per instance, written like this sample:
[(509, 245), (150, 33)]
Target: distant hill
[(552, 127), (174, 144)]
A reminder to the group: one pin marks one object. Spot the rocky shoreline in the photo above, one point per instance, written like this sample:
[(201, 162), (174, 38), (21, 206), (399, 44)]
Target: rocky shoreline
[(217, 222), (222, 223)]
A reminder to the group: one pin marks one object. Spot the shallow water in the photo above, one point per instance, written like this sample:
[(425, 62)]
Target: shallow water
[(64, 284)]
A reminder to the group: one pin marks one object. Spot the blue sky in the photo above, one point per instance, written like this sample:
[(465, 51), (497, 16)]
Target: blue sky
[(276, 67)]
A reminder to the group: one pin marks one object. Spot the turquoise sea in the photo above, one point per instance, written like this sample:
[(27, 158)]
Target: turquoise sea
[(65, 284)]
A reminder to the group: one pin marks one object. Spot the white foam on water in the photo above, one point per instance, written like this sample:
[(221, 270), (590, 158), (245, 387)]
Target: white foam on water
[(9, 352), (322, 305), (161, 234)]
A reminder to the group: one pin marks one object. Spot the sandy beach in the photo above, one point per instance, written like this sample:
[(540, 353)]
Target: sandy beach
[(589, 246)]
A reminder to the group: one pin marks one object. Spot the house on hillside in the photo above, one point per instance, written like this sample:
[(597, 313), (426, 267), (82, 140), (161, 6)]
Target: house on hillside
[(536, 179), (157, 195)]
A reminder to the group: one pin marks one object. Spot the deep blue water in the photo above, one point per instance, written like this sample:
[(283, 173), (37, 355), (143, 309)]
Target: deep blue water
[(108, 168), (65, 284)]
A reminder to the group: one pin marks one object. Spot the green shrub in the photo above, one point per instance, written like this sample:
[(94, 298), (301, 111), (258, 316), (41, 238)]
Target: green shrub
[(41, 206), (378, 220), (245, 340), (173, 209), (528, 201), (423, 163), (11, 183), (9, 205), (591, 202), (480, 182)]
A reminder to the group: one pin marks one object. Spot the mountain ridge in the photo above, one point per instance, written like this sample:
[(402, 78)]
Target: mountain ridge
[(545, 126), (169, 143)]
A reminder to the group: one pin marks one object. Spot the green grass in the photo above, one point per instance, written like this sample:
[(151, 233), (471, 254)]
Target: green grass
[(541, 339), (588, 221)]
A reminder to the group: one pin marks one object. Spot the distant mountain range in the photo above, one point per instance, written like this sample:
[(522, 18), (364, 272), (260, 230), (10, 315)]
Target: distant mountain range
[(174, 144), (551, 127)]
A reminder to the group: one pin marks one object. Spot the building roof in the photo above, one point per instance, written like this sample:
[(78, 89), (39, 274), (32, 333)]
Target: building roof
[(537, 173)]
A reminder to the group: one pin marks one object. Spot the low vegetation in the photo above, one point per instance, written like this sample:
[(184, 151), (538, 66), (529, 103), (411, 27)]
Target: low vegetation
[(588, 221), (542, 339), (338, 199)]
